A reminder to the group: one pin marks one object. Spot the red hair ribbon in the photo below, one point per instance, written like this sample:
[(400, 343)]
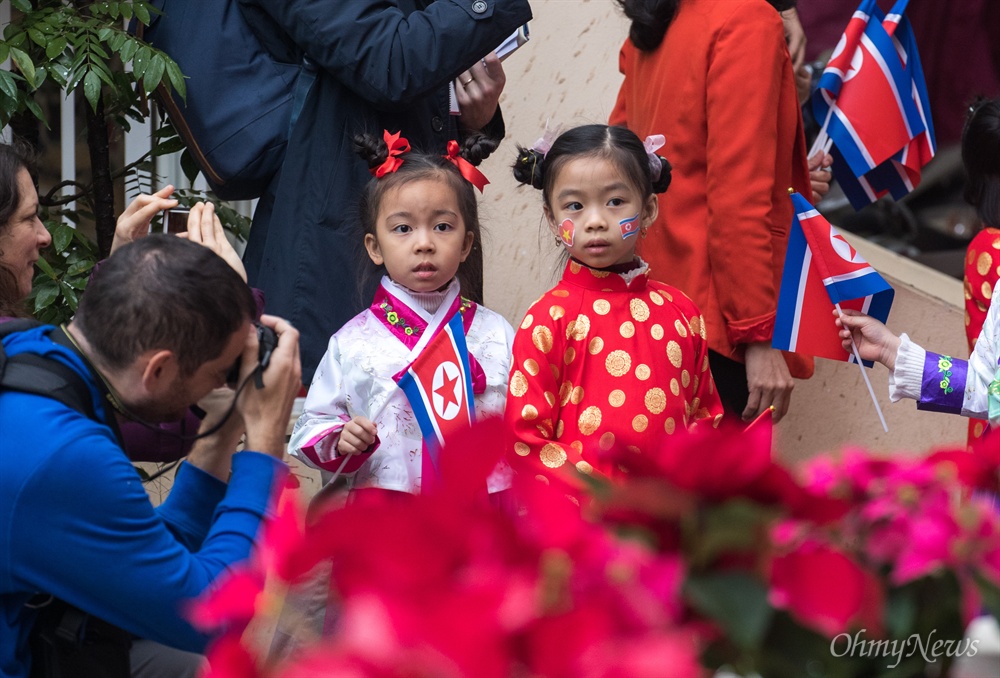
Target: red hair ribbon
[(468, 170), (397, 146)]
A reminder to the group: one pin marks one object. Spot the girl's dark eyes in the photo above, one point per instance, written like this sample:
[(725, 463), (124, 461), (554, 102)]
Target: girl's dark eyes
[(573, 206), (616, 202), (401, 228), (443, 226)]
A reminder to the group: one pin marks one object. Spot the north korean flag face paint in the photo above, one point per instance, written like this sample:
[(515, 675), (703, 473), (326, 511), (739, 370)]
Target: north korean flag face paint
[(566, 232), (629, 226)]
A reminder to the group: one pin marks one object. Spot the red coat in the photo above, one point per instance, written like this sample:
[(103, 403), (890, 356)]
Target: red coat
[(720, 88)]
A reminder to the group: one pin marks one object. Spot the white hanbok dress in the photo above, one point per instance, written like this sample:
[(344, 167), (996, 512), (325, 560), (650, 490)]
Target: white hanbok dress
[(356, 378)]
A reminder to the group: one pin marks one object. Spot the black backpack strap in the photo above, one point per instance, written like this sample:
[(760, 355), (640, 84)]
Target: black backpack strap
[(31, 373)]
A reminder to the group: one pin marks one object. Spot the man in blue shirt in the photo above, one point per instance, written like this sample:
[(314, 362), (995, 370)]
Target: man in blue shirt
[(158, 330)]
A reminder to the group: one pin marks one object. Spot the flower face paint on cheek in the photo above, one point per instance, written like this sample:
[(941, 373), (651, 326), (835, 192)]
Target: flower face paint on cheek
[(566, 232), (629, 226)]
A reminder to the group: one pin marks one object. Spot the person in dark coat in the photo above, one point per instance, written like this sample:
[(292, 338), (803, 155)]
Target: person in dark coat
[(381, 64)]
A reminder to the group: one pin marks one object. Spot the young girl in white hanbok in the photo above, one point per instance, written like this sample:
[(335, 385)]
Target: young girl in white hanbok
[(420, 220)]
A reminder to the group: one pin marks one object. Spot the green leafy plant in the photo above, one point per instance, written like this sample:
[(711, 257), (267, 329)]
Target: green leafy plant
[(83, 46)]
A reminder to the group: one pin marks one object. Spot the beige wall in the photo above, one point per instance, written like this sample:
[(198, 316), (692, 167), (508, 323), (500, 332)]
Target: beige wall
[(568, 72)]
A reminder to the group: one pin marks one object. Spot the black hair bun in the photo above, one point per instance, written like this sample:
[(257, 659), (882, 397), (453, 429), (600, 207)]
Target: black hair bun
[(528, 167), (663, 182), (477, 147), (371, 148)]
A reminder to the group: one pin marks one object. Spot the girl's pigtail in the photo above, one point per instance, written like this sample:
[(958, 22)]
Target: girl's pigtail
[(661, 183), (372, 149), (477, 147), (528, 167)]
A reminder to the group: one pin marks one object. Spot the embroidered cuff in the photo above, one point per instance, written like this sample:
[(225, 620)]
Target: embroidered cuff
[(905, 380), (943, 388)]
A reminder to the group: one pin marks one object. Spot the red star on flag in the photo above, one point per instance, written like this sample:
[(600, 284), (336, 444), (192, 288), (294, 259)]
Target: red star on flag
[(447, 391)]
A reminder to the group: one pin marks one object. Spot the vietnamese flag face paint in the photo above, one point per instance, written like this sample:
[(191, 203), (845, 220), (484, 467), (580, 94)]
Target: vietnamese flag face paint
[(629, 226), (566, 231)]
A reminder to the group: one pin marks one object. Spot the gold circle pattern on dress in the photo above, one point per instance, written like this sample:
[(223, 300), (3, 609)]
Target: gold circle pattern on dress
[(531, 367), (518, 384), (640, 423), (694, 322), (579, 328), (528, 321), (552, 455), (669, 426), (529, 412), (556, 311), (616, 398), (584, 468), (550, 398), (618, 363), (576, 397), (685, 378), (983, 263), (675, 388), (541, 337), (602, 307), (642, 372), (681, 330), (627, 329), (977, 430), (590, 420), (987, 290), (564, 392), (576, 446), (596, 344), (639, 310), (570, 355), (560, 293), (704, 364), (656, 331), (656, 298), (607, 441), (674, 353), (521, 449), (560, 427), (574, 267), (656, 400)]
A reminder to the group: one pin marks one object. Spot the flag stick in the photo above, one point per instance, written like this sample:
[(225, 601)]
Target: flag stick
[(760, 417), (864, 373), (822, 136)]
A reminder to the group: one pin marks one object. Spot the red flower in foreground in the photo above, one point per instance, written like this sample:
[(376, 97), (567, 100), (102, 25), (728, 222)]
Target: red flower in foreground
[(825, 590)]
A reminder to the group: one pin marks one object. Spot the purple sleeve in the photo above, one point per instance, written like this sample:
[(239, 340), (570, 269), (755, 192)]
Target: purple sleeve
[(162, 444), (943, 384)]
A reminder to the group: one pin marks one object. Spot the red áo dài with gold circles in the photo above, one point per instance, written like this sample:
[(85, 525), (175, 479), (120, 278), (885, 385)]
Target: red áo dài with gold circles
[(601, 362)]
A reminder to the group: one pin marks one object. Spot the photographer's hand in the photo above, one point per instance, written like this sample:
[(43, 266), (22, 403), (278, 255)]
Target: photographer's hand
[(267, 410), (213, 454)]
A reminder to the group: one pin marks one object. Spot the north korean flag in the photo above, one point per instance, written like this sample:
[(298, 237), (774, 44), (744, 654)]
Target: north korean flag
[(438, 385), (823, 269), (900, 174), (865, 95)]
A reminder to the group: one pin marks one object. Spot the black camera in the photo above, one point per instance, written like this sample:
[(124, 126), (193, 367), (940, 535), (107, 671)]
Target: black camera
[(267, 339)]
